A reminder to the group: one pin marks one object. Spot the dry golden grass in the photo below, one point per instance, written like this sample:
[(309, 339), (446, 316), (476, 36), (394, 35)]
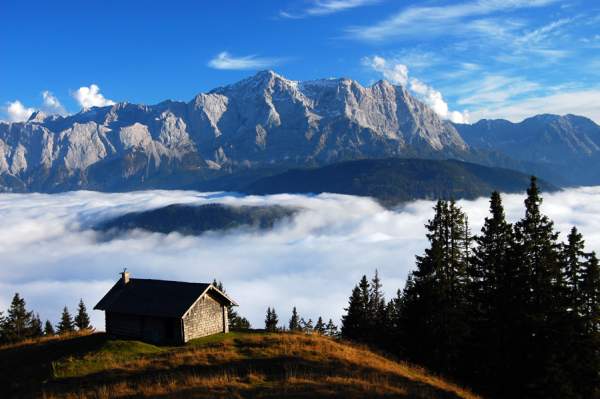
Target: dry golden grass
[(50, 338), (238, 366)]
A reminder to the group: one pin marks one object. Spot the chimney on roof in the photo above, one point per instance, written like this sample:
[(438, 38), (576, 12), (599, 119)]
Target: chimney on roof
[(125, 276)]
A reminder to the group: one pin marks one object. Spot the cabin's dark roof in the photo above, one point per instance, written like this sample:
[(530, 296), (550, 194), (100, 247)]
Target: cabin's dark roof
[(158, 298)]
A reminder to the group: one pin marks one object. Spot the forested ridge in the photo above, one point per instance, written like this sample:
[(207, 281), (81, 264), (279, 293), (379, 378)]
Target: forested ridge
[(512, 312)]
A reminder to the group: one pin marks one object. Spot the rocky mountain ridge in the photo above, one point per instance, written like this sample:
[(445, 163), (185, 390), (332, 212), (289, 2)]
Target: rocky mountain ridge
[(568, 145), (264, 121), (260, 121)]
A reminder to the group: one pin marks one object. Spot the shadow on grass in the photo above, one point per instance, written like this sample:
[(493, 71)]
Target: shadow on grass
[(280, 377), (24, 368)]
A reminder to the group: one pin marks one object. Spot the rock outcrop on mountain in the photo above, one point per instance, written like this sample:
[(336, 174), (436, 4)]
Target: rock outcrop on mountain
[(566, 146), (261, 121)]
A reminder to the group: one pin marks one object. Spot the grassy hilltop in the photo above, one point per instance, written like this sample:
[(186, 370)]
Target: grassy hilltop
[(235, 365)]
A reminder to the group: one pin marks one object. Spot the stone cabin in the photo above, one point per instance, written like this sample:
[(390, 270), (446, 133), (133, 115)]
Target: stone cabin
[(161, 311)]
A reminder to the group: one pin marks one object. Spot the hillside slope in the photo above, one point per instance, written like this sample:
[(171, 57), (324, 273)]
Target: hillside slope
[(236, 365), (394, 180)]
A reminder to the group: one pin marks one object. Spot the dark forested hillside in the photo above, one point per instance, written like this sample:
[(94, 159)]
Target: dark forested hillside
[(511, 311), (395, 180), (197, 219)]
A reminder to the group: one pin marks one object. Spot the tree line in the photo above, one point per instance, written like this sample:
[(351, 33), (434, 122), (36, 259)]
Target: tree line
[(512, 311), (299, 324), (19, 323)]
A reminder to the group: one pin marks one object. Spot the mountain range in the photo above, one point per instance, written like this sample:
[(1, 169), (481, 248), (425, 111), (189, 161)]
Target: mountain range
[(267, 123)]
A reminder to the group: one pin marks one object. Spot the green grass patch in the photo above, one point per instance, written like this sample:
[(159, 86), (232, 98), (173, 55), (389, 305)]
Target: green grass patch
[(112, 352), (218, 338)]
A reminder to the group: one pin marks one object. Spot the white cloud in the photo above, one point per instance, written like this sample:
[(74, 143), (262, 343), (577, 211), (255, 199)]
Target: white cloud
[(313, 261), (88, 97), (51, 104), (435, 100), (397, 73), (435, 20), (494, 89), (326, 7), (224, 60), (543, 33), (578, 102), (17, 112)]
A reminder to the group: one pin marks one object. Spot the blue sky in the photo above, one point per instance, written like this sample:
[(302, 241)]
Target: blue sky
[(468, 59)]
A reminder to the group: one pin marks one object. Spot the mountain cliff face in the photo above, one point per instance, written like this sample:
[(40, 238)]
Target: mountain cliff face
[(261, 121), (567, 145)]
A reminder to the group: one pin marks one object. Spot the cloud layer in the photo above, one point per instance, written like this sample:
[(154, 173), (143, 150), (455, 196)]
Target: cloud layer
[(51, 257)]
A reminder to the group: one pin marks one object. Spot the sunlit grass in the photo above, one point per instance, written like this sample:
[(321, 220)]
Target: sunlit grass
[(239, 365)]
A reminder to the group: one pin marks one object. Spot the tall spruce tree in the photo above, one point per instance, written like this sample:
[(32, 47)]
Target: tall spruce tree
[(376, 315), (48, 328), (573, 257), (35, 330), (82, 320), (66, 324), (271, 320), (331, 330), (492, 304), (355, 323), (433, 323), (18, 320), (538, 254), (393, 322), (588, 378), (294, 324), (320, 326)]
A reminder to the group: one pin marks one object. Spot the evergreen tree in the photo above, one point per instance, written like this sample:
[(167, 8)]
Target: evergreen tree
[(48, 328), (35, 330), (271, 320), (18, 321), (355, 321), (538, 255), (493, 300), (331, 330), (307, 326), (320, 326), (393, 322), (82, 320), (66, 324), (376, 311), (294, 324), (590, 295), (587, 375), (433, 326), (573, 257), (3, 338), (239, 323)]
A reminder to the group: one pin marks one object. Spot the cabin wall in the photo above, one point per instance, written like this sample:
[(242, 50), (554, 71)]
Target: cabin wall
[(123, 325), (206, 317), (146, 328)]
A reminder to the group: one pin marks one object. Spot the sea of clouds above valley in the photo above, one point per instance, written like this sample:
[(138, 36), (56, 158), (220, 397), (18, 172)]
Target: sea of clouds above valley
[(49, 254)]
